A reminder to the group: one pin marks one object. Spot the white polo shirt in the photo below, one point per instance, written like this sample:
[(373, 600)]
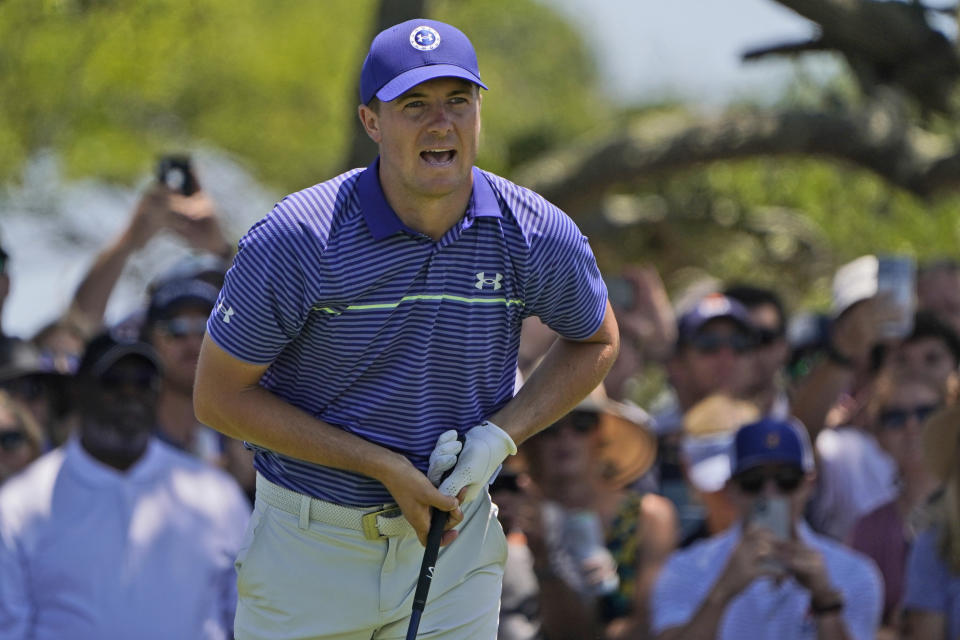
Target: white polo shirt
[(765, 609), (87, 552)]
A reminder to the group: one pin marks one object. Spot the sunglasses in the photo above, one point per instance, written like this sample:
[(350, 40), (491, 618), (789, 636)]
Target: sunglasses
[(12, 440), (184, 327), (898, 418), (714, 342), (753, 481), (581, 422)]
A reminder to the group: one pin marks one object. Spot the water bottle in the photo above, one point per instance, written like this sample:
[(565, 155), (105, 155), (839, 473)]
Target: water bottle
[(583, 537)]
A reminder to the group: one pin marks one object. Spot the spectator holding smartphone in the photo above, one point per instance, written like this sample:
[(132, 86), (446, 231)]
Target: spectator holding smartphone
[(750, 582)]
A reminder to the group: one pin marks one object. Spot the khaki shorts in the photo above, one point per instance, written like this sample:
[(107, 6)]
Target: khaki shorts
[(299, 577)]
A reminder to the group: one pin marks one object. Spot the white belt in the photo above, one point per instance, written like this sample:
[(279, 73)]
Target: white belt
[(375, 524)]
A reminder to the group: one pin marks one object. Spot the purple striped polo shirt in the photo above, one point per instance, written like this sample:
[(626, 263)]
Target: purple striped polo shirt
[(387, 334)]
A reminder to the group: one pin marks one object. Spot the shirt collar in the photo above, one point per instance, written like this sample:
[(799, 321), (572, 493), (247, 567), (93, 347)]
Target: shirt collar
[(383, 221), (98, 474)]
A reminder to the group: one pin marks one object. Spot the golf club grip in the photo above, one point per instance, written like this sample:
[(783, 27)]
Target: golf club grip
[(438, 519)]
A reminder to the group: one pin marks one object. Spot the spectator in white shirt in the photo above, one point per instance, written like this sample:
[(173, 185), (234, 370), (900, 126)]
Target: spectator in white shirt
[(754, 582), (115, 534)]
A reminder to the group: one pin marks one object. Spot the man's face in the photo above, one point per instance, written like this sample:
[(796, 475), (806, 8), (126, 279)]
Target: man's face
[(927, 359), (119, 409), (716, 360), (899, 421), (775, 480), (428, 138), (177, 341)]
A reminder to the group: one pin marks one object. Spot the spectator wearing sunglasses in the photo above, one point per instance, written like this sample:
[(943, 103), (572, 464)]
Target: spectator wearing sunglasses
[(21, 437), (770, 575), (713, 355), (897, 414), (175, 324), (767, 387), (115, 534), (596, 543)]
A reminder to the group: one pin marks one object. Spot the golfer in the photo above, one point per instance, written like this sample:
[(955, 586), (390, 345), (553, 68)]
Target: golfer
[(364, 323)]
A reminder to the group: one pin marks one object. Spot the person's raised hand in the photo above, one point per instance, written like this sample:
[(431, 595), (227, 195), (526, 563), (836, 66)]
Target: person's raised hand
[(860, 327), (196, 219), (151, 214)]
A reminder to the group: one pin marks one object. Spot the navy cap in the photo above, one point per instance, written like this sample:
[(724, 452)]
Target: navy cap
[(771, 441), (712, 307), (170, 297), (412, 52), (106, 349)]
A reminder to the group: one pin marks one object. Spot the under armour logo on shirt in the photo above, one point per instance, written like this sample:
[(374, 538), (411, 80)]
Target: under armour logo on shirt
[(482, 280), (226, 311)]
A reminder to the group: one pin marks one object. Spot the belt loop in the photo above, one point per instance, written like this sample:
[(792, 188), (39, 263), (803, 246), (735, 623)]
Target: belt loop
[(304, 512)]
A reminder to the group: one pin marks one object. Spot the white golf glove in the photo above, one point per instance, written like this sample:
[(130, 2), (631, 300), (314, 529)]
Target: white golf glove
[(485, 447), (443, 456)]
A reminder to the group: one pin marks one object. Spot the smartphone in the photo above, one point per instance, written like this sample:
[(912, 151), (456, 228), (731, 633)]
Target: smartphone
[(772, 514), (897, 278), (620, 292), (176, 171)]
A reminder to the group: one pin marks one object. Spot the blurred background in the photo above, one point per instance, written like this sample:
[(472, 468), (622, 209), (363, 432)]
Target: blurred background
[(774, 139)]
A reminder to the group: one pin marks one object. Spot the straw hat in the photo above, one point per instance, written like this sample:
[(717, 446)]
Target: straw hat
[(628, 446), (941, 440)]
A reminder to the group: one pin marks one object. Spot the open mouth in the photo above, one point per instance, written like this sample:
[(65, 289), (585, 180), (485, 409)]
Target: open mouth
[(438, 157)]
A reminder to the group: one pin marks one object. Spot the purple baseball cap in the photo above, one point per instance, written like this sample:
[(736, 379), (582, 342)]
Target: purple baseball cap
[(412, 52)]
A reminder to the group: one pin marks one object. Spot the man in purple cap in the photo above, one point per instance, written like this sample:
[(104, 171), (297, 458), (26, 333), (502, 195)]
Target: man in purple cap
[(368, 321), (769, 575)]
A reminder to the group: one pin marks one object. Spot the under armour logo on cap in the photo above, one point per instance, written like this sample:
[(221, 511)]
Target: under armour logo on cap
[(424, 38), (413, 52)]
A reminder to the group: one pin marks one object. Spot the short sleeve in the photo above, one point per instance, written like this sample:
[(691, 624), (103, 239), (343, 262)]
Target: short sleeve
[(565, 289), (264, 301)]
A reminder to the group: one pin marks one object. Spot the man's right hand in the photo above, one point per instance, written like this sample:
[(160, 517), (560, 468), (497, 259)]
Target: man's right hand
[(415, 495), (754, 556)]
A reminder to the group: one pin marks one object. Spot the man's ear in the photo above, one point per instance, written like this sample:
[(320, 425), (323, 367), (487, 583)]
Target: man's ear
[(370, 121)]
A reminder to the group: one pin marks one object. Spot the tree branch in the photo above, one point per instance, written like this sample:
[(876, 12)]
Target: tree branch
[(878, 139)]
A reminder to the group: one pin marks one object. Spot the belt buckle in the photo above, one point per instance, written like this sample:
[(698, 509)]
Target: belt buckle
[(369, 522)]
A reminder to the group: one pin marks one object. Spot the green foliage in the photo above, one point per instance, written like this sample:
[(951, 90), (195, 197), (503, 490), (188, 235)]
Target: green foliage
[(109, 85)]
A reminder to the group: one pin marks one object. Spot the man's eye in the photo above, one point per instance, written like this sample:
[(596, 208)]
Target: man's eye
[(416, 104)]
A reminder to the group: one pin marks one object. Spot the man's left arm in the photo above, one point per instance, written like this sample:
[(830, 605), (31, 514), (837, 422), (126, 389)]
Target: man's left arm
[(569, 371)]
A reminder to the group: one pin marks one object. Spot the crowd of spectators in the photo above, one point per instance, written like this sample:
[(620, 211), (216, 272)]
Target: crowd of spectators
[(798, 477)]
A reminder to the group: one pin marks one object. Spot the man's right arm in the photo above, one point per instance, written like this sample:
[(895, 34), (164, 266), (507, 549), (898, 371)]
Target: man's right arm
[(228, 397)]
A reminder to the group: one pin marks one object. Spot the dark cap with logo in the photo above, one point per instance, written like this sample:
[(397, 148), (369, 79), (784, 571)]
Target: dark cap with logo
[(771, 441), (412, 52)]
